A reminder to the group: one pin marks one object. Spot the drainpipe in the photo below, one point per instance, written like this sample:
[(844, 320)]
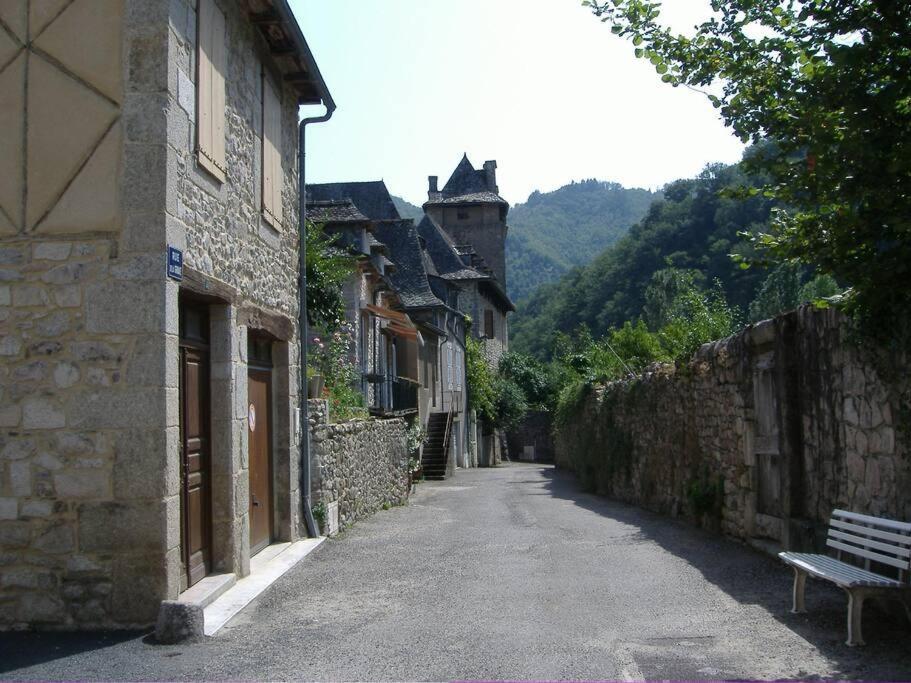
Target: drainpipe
[(305, 477)]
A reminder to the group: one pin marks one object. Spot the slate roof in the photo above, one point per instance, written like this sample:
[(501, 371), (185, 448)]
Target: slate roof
[(467, 186), (453, 267), (371, 197), (471, 198), (409, 279), (446, 260), (334, 211)]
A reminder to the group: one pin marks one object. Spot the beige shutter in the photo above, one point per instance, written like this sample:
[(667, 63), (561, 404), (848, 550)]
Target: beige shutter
[(272, 155), (211, 89)]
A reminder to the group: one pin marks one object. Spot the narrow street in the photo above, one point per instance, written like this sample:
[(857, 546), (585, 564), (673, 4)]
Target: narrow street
[(506, 573)]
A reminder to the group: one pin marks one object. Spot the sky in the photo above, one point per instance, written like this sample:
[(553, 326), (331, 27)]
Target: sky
[(541, 86)]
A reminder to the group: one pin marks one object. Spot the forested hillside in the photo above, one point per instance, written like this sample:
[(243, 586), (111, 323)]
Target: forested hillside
[(408, 210), (555, 231), (691, 228)]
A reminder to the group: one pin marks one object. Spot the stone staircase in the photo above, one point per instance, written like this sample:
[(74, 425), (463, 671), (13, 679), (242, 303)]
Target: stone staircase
[(436, 447)]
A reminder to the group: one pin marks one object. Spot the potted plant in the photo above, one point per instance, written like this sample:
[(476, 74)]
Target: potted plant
[(315, 383), (319, 514)]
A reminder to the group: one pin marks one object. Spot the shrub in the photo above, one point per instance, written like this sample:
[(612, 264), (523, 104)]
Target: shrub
[(510, 406)]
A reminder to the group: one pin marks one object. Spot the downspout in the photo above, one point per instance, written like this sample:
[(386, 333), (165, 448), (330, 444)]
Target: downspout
[(305, 475)]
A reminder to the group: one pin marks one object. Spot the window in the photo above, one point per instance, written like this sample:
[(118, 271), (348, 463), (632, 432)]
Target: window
[(449, 366), (488, 324), (462, 215), (210, 89), (272, 155), (458, 369)]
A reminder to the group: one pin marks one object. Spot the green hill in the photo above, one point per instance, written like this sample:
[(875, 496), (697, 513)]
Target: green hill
[(691, 227), (555, 231)]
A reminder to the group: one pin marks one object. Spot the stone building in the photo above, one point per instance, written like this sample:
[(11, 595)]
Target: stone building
[(148, 299), (384, 342), (472, 214), (445, 271)]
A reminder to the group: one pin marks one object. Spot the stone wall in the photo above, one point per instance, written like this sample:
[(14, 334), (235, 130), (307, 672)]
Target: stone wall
[(535, 431), (221, 224), (762, 434), (84, 489), (361, 465)]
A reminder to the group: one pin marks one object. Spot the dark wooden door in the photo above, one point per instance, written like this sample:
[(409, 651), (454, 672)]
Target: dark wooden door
[(195, 457), (259, 387)]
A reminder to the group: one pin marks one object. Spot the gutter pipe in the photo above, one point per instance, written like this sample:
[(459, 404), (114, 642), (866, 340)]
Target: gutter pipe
[(303, 334)]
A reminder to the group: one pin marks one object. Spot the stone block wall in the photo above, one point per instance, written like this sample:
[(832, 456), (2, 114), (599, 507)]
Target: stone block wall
[(88, 518), (762, 434), (89, 406), (362, 464)]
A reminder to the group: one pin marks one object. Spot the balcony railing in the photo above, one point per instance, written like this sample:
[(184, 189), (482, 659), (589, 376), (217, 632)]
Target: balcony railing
[(391, 395)]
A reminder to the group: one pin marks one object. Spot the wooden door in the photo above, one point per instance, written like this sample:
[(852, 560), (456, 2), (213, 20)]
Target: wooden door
[(259, 389), (195, 459)]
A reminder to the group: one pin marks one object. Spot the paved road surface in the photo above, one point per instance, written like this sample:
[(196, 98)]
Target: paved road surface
[(506, 573)]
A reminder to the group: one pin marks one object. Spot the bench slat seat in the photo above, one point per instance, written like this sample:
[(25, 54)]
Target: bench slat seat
[(840, 573)]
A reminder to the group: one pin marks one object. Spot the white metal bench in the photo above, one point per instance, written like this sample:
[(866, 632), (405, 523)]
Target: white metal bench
[(871, 539)]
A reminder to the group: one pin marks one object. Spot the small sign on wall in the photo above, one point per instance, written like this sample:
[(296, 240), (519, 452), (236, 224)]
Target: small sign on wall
[(175, 263)]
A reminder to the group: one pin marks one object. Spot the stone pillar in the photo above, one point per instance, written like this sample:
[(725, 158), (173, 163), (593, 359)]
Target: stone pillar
[(286, 456), (230, 475)]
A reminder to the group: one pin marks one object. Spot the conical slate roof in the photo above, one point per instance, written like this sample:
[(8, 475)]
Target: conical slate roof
[(468, 185)]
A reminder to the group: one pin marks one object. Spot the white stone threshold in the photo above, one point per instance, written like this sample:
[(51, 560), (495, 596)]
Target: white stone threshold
[(265, 568)]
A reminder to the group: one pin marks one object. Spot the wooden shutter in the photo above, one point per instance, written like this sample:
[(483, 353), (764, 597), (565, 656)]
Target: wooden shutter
[(272, 155), (210, 112), (488, 324)]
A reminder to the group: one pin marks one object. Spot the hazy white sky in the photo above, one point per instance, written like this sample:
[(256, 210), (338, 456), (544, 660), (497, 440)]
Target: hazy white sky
[(541, 86)]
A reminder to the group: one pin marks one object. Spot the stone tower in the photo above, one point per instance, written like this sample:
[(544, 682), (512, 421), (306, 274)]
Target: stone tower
[(471, 211)]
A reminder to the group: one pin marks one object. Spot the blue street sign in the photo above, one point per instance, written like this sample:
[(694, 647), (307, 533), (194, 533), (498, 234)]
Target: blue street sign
[(175, 263)]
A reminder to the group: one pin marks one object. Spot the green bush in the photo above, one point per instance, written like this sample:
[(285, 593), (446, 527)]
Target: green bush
[(510, 406), (534, 378)]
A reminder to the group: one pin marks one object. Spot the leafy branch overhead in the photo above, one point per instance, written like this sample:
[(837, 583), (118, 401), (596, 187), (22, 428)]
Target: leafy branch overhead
[(828, 82)]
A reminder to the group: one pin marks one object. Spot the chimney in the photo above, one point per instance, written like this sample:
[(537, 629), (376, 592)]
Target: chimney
[(432, 191), (490, 171)]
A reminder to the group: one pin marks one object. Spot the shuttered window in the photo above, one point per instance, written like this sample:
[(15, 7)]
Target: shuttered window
[(272, 155), (488, 324), (210, 112)]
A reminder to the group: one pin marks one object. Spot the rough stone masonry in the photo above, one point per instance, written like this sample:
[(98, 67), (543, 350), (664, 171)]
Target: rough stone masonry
[(762, 434), (362, 465)]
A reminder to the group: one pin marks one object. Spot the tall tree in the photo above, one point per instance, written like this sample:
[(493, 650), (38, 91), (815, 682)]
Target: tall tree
[(828, 82)]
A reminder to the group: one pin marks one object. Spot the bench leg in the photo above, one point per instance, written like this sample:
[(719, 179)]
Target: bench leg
[(855, 614), (800, 584), (906, 601)]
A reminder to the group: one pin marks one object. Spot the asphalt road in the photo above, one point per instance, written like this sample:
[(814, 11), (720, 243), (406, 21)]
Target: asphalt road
[(506, 573)]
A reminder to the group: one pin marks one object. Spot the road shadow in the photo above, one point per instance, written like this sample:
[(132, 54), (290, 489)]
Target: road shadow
[(21, 649), (755, 578)]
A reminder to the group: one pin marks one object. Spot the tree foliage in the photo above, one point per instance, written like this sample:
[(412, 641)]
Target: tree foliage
[(787, 286), (827, 81), (327, 269), (533, 377), (693, 230)]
